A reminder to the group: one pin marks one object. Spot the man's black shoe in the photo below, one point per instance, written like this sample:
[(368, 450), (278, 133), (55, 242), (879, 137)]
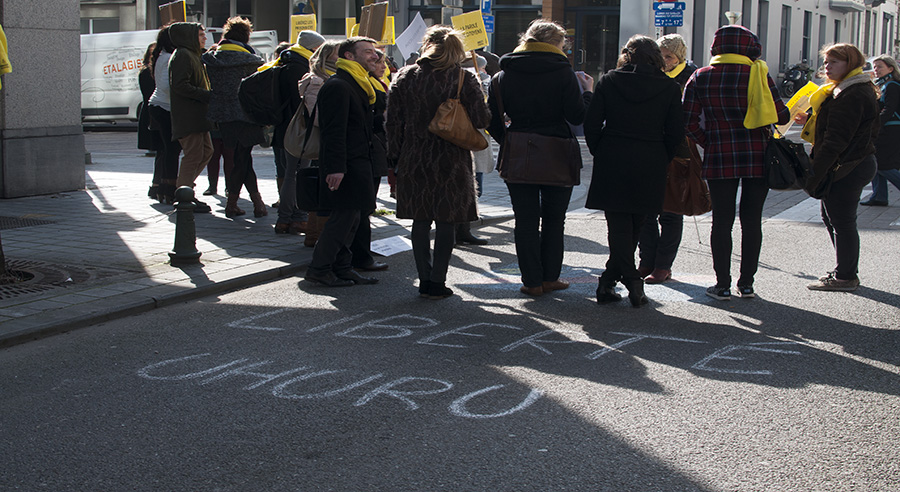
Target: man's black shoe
[(874, 203), (328, 279), (375, 266), (356, 278)]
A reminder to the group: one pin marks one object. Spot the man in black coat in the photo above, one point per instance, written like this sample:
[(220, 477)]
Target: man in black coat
[(345, 162)]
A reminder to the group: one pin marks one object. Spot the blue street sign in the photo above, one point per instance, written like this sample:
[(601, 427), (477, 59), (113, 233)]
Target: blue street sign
[(663, 6), (488, 23), (486, 7)]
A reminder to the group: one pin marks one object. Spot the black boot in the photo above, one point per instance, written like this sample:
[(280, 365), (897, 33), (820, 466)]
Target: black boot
[(606, 292), (635, 288), (464, 235)]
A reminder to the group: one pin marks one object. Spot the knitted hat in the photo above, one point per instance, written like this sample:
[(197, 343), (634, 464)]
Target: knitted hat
[(310, 40)]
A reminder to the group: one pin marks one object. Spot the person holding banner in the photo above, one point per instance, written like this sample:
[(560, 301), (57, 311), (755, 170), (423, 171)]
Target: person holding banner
[(843, 127), (543, 95), (435, 181), (734, 135)]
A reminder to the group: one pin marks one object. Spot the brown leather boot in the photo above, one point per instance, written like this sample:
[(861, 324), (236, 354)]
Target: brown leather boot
[(314, 225), (231, 207), (259, 208)]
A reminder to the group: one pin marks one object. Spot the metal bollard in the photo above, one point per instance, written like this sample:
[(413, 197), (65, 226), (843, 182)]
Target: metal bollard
[(185, 251)]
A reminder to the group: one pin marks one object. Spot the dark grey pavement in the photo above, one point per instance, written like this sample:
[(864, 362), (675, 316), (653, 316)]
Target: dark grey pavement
[(102, 253)]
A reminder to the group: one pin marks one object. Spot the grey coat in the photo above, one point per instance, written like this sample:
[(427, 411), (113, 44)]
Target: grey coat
[(226, 69)]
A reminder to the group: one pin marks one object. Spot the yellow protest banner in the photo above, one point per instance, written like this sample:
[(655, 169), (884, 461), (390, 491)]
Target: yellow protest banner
[(387, 39), (350, 24), (306, 22), (472, 26), (798, 103)]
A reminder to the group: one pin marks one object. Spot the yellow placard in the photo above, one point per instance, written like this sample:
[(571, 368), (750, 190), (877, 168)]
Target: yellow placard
[(472, 26), (306, 22), (798, 103), (349, 24), (387, 39)]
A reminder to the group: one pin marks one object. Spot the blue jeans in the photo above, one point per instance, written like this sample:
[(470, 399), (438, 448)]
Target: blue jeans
[(880, 181)]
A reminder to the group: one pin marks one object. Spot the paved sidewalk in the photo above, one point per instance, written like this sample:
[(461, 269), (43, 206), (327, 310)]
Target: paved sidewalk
[(102, 253)]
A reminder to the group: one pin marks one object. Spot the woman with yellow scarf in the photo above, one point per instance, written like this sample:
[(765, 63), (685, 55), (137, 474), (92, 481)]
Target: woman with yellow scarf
[(843, 127)]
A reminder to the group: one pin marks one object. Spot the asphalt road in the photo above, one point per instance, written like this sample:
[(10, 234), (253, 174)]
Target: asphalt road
[(294, 387)]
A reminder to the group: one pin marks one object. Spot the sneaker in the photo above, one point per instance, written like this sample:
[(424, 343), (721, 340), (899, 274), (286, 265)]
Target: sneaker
[(719, 293), (746, 291), (832, 283)]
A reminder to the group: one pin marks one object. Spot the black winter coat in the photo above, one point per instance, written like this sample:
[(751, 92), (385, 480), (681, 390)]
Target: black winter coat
[(846, 129), (633, 126), (540, 94), (295, 66), (345, 126), (887, 147)]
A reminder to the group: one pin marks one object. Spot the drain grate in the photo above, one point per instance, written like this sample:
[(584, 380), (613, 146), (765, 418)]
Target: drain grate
[(41, 277), (19, 222)]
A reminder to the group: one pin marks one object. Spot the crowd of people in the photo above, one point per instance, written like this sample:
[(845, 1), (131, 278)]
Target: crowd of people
[(655, 106)]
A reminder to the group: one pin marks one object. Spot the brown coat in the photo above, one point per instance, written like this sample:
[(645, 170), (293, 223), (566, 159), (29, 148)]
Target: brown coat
[(435, 178)]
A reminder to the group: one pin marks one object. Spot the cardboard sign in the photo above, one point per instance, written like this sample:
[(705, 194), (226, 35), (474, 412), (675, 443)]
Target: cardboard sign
[(301, 23), (472, 27), (373, 20), (173, 12)]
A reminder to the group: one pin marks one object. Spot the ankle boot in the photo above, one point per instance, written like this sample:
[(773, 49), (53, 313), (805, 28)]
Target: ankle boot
[(259, 208), (636, 292), (606, 292), (231, 208), (464, 235)]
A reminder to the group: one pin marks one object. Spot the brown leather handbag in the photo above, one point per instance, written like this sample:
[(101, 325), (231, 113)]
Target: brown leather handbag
[(532, 158), (451, 123), (686, 192)]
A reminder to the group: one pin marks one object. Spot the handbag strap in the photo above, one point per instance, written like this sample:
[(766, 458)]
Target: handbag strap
[(309, 125), (462, 75)]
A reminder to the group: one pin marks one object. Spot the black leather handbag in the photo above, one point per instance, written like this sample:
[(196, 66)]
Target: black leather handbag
[(787, 164)]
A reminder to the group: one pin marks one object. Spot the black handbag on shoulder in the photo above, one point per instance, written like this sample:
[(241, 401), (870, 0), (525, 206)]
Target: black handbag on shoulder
[(787, 164)]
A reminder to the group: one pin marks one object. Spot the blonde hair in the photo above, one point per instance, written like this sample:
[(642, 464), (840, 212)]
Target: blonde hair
[(319, 59), (443, 46), (675, 44), (543, 31)]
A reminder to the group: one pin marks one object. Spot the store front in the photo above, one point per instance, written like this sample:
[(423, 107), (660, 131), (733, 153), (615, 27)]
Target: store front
[(593, 28)]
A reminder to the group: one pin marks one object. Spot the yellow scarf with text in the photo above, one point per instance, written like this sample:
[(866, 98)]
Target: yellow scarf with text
[(359, 74), (815, 101), (760, 103)]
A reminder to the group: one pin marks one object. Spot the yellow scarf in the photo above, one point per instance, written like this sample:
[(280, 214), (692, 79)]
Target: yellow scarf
[(760, 104), (232, 47), (376, 83), (360, 75), (535, 46), (300, 50), (815, 102), (675, 72), (5, 66)]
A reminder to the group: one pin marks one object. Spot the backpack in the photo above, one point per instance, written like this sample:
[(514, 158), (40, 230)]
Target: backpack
[(260, 96)]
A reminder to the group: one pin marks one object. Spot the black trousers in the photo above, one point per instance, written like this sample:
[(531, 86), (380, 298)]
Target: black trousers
[(659, 240), (723, 193), (444, 238), (361, 247), (162, 121), (540, 213), (242, 174), (332, 251), (839, 216), (623, 231)]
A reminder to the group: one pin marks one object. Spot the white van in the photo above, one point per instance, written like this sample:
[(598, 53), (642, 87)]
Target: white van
[(110, 63)]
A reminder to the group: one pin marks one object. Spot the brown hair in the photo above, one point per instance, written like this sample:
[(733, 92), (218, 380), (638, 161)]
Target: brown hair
[(237, 29), (845, 52), (641, 50), (891, 63), (543, 31), (443, 46)]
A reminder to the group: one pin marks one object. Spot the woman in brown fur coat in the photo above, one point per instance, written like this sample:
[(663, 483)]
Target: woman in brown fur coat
[(434, 177)]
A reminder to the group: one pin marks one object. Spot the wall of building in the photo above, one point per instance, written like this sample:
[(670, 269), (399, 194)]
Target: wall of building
[(41, 140)]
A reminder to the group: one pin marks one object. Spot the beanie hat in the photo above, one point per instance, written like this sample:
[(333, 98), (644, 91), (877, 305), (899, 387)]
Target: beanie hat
[(310, 40)]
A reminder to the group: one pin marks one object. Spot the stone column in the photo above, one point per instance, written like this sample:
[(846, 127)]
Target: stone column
[(41, 139)]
